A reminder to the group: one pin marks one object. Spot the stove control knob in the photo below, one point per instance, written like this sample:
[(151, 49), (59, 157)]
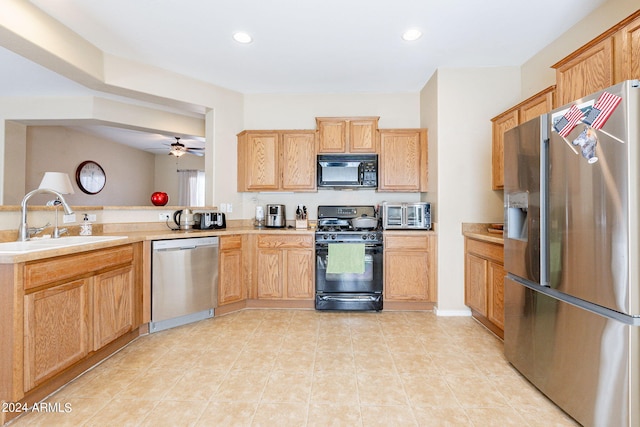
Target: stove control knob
[(325, 237), (364, 237), (333, 237)]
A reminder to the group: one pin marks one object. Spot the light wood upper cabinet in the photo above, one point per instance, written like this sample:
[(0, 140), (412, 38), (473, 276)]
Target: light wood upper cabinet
[(258, 161), (500, 125), (298, 161), (539, 104), (627, 50), (588, 70), (410, 267), (402, 163), (610, 58), (285, 267), (532, 107), (347, 134), (276, 160)]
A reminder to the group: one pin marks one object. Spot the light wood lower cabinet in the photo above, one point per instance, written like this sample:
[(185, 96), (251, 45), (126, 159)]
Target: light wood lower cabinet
[(112, 305), (57, 330), (285, 267), (409, 266), (75, 305), (230, 272), (484, 283)]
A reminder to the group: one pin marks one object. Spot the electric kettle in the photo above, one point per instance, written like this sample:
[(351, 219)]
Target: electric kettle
[(184, 219)]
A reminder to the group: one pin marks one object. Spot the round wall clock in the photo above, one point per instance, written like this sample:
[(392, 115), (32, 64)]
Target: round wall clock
[(90, 177)]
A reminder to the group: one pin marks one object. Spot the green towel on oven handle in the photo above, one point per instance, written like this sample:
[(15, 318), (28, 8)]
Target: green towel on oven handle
[(346, 258)]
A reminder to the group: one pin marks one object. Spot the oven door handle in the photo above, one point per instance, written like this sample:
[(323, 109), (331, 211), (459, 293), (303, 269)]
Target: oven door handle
[(366, 245), (348, 298)]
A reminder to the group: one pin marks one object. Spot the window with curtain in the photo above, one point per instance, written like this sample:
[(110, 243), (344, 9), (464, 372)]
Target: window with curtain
[(190, 187)]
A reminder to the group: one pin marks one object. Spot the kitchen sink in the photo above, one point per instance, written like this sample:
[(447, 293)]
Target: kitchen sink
[(48, 244)]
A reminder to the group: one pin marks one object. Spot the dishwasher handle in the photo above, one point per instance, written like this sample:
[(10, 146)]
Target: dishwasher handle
[(184, 244)]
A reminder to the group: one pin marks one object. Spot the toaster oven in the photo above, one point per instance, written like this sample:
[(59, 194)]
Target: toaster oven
[(416, 216)]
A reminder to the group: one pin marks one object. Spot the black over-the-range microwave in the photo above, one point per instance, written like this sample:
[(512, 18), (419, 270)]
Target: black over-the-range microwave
[(347, 171)]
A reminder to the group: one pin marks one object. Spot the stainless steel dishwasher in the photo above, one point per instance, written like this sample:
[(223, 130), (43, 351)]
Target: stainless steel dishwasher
[(183, 281)]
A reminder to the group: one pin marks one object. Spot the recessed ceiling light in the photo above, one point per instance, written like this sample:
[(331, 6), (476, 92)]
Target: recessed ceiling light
[(411, 34), (242, 37)]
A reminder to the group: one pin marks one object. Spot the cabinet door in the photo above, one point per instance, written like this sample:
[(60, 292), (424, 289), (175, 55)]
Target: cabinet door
[(112, 306), (299, 161), (406, 275), (258, 161), (537, 106), (500, 125), (56, 325), (300, 273), (332, 135), (628, 51), (270, 284), (403, 160), (475, 294), (496, 293), (590, 71), (230, 275), (363, 136)]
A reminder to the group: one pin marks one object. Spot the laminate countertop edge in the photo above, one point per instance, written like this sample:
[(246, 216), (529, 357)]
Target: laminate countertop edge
[(479, 231)]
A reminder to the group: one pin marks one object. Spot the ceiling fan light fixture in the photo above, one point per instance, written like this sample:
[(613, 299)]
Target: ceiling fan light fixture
[(412, 34), (177, 152), (242, 37)]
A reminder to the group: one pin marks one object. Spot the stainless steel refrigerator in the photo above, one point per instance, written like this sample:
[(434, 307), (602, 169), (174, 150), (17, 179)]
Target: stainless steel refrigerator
[(572, 255)]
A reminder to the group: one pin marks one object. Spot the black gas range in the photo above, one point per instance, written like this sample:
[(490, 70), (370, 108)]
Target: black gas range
[(348, 260)]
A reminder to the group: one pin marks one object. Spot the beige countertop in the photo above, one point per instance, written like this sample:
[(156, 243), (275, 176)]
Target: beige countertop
[(135, 232), (133, 236), (479, 231)]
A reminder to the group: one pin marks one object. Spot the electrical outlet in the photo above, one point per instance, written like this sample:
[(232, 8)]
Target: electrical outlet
[(229, 207), (163, 216), (92, 217), (223, 207), (66, 219)]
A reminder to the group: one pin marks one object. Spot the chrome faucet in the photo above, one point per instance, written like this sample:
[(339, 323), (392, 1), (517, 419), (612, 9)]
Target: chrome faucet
[(23, 231)]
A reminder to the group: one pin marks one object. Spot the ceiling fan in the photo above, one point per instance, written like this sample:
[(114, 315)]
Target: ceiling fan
[(178, 149)]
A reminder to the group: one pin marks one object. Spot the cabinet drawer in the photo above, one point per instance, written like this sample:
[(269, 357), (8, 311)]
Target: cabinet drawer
[(407, 242), (230, 242), (276, 241), (487, 250), (66, 267)]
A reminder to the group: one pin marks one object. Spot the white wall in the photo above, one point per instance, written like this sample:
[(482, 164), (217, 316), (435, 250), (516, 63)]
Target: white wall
[(537, 73), (466, 100), (129, 172), (299, 112)]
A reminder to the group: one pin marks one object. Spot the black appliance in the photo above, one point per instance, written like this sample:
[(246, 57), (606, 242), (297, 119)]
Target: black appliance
[(348, 171), (348, 290), (209, 220)]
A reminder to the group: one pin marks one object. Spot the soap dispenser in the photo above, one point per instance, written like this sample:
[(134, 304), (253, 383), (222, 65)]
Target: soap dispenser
[(86, 228)]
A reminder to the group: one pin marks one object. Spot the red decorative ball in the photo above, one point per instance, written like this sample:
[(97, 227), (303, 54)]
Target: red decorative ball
[(159, 198)]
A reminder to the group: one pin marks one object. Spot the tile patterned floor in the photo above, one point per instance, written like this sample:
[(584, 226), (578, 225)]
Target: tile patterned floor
[(307, 368)]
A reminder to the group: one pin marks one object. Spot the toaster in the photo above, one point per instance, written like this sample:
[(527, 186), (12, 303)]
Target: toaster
[(209, 220)]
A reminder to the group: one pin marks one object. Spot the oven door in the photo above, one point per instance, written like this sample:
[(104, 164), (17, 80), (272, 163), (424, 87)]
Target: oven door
[(368, 282), (418, 215)]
